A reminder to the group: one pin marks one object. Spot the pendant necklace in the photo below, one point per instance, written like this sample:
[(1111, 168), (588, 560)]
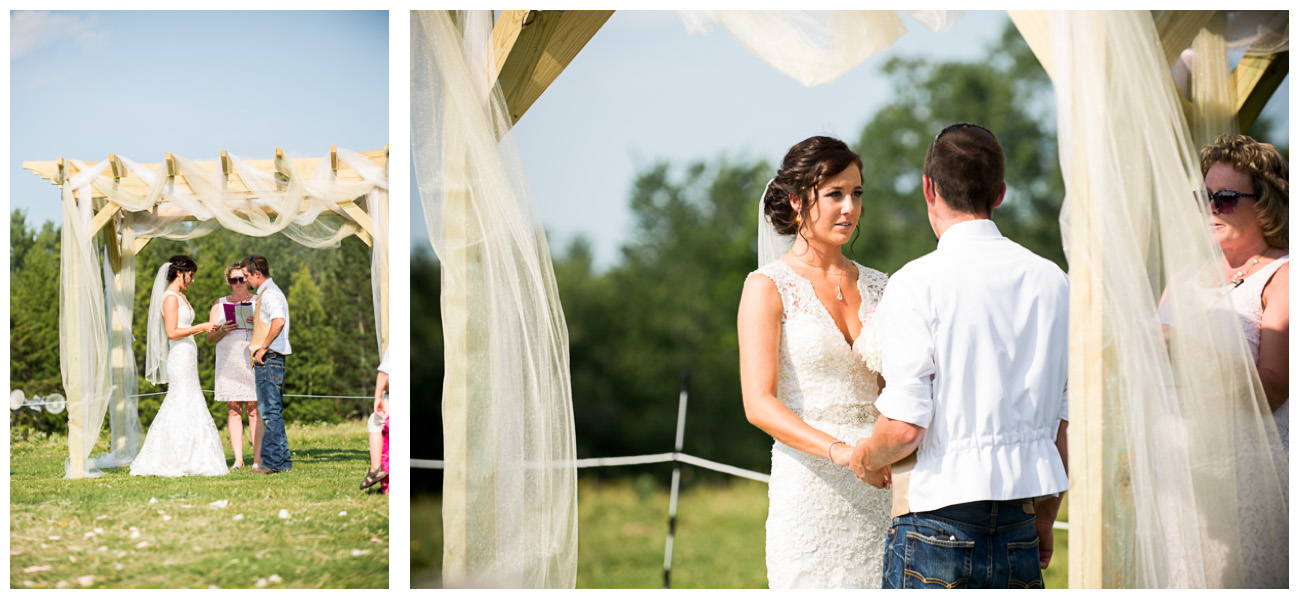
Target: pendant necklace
[(838, 294), (1239, 277)]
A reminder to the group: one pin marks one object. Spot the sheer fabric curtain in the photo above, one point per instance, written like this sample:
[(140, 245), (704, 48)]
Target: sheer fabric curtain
[(1194, 491), (814, 47), (96, 304), (510, 491)]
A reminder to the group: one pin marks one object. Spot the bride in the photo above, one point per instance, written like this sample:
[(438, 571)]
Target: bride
[(183, 439), (803, 376)]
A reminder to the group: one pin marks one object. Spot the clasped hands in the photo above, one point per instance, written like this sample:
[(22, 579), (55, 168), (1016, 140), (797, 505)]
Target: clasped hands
[(880, 478)]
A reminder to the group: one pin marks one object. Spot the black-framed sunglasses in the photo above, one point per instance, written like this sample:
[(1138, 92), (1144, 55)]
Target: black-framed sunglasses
[(234, 280), (930, 155), (1225, 201)]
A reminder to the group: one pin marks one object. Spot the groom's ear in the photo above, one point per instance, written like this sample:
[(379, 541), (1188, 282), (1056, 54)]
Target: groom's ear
[(1002, 194), (927, 188)]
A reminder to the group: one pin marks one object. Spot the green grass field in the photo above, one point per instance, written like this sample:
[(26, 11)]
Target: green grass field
[(123, 531), (622, 528)]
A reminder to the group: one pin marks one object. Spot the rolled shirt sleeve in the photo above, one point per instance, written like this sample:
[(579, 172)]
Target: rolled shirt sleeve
[(908, 356), (274, 306)]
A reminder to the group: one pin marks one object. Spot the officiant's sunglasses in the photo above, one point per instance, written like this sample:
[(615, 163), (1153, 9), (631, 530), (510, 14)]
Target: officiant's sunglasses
[(930, 155), (1225, 201), (234, 280)]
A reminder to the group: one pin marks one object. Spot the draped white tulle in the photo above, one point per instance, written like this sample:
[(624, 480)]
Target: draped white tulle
[(771, 245), (157, 345), (510, 484), (96, 304)]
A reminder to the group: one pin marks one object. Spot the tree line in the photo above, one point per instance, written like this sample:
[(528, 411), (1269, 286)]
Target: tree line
[(330, 307)]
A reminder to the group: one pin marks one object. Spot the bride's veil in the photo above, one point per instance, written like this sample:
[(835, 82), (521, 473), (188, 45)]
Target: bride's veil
[(771, 245), (155, 355)]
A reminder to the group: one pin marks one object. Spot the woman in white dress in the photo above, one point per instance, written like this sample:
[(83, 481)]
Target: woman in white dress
[(1247, 182), (182, 440), (803, 376), (234, 374)]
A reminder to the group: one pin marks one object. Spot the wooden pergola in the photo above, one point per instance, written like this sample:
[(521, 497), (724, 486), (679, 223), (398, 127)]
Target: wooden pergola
[(108, 225), (532, 48)]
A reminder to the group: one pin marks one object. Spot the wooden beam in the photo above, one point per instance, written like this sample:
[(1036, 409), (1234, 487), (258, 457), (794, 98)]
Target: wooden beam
[(226, 166), (1177, 29), (543, 48), (1255, 79), (505, 33), (172, 170), (119, 170), (112, 250), (334, 159), (350, 207), (103, 216), (55, 170)]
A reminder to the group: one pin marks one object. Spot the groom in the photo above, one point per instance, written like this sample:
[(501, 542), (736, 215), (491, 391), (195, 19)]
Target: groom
[(974, 356), (269, 346)]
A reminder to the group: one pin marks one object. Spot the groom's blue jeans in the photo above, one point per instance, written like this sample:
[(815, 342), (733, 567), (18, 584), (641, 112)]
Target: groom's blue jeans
[(269, 378), (973, 545)]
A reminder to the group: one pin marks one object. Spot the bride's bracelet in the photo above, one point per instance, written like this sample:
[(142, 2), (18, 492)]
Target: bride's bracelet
[(828, 449)]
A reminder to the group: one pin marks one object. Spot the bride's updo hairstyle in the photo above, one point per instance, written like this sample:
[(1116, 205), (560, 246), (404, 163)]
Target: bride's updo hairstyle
[(181, 264), (805, 165)]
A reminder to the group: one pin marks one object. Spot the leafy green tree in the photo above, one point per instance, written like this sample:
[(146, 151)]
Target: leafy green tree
[(307, 372), (34, 321)]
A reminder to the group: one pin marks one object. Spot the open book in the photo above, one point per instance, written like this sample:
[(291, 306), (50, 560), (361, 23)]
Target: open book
[(239, 313)]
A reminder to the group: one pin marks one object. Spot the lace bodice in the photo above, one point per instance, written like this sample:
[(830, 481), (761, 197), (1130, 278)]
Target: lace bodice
[(825, 529), (821, 377)]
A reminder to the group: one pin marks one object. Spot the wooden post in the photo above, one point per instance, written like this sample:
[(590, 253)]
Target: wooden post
[(457, 379)]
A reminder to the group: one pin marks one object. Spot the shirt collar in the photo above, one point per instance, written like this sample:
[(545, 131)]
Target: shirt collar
[(265, 285), (974, 229)]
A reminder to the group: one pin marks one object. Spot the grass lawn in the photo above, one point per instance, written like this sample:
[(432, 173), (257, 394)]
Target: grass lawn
[(123, 531), (622, 527)]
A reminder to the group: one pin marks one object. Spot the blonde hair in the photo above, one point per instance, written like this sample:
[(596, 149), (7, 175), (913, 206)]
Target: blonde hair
[(232, 267), (1268, 172)]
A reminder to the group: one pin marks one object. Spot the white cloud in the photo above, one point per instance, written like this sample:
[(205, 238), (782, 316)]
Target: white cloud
[(29, 30)]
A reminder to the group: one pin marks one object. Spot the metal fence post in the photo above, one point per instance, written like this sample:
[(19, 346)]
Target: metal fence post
[(677, 478)]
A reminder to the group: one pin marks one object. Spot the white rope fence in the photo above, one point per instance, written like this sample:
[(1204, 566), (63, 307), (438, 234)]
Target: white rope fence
[(677, 458)]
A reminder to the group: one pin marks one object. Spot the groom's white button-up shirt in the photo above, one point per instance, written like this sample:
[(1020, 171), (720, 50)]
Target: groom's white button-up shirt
[(975, 351), (275, 306)]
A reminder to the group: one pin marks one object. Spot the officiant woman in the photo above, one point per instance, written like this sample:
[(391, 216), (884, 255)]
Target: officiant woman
[(234, 373)]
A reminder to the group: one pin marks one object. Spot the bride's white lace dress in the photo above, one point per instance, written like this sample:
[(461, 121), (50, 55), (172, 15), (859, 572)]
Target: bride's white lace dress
[(183, 439), (825, 527)]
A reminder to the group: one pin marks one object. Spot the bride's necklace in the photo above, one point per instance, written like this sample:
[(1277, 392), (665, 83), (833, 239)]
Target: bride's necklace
[(838, 277), (1240, 276)]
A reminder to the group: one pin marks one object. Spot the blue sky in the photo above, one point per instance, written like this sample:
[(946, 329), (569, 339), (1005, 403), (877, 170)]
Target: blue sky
[(644, 90), (141, 83)]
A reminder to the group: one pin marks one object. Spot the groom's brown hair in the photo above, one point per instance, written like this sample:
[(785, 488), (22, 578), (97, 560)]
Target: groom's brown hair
[(257, 262), (966, 166)]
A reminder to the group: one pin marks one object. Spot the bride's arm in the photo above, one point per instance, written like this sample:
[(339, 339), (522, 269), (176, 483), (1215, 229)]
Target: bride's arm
[(171, 306), (758, 328)]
